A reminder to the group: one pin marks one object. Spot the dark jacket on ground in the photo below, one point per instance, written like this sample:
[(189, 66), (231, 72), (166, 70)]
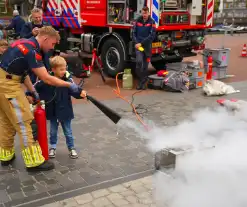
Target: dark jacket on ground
[(16, 23), (144, 33), (58, 99)]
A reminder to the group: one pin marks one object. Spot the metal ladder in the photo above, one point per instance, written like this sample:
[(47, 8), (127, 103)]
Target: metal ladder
[(3, 7)]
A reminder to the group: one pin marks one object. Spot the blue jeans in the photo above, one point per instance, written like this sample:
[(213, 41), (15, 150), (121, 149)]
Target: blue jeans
[(67, 130)]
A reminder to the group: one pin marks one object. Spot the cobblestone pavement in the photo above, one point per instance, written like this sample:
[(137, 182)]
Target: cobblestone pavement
[(137, 193), (109, 155)]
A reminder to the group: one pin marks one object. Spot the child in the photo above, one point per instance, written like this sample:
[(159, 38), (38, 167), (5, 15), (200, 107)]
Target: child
[(59, 106), (3, 46)]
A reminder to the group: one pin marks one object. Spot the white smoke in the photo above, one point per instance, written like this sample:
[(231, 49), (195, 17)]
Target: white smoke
[(214, 173)]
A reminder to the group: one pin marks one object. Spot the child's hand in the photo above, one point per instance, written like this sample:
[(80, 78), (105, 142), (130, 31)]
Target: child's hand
[(83, 94)]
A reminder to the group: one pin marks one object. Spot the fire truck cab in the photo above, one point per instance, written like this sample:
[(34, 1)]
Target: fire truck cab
[(107, 26)]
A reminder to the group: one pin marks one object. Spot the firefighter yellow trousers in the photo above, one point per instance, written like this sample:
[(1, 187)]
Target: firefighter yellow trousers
[(15, 116)]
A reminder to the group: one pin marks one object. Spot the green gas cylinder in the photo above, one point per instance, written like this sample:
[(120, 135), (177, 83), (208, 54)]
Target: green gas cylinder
[(127, 79)]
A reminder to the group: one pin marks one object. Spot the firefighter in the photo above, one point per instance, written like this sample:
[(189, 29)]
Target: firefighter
[(18, 60), (144, 31), (31, 29)]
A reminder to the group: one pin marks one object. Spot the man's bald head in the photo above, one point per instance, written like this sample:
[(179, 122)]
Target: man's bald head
[(15, 13)]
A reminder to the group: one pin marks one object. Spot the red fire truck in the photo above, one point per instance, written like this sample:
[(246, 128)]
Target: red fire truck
[(107, 26)]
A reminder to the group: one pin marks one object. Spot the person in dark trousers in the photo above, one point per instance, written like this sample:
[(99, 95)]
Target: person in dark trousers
[(16, 23), (58, 105), (144, 31)]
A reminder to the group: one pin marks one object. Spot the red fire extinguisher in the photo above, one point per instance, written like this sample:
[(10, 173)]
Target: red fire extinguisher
[(210, 68), (40, 118)]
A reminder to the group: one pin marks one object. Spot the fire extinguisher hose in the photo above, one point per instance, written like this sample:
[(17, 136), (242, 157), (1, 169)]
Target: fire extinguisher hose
[(118, 93)]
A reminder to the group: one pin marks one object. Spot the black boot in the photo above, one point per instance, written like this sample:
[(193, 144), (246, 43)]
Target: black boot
[(144, 87), (45, 166), (139, 86), (6, 163)]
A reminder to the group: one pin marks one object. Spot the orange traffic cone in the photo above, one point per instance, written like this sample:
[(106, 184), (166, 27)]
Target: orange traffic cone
[(244, 51)]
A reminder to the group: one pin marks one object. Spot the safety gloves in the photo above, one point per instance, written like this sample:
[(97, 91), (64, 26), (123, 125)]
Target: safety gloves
[(75, 88)]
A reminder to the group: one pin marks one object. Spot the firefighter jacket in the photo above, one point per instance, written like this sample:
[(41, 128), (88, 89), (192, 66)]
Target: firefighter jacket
[(144, 33), (21, 57), (58, 103), (16, 23), (26, 33)]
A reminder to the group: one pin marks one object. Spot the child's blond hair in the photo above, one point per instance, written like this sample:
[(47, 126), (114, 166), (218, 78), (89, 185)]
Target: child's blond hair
[(4, 43), (57, 61)]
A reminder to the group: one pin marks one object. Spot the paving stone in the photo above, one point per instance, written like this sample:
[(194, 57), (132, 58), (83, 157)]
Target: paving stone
[(143, 194), (28, 189), (132, 199), (101, 202), (87, 205), (127, 193), (13, 189), (83, 199), (28, 183), (56, 204), (100, 193), (69, 203), (139, 205), (120, 202), (4, 196), (147, 200), (118, 189), (114, 196), (138, 189), (147, 180), (17, 195)]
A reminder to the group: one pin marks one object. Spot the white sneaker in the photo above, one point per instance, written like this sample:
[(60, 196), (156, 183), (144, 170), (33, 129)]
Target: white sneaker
[(73, 154), (52, 153)]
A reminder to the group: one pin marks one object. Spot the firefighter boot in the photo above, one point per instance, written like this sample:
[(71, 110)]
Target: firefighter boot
[(34, 159), (139, 86), (45, 166), (7, 156), (9, 162)]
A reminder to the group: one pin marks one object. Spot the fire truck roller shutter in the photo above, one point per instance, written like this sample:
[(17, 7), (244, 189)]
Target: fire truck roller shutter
[(112, 48)]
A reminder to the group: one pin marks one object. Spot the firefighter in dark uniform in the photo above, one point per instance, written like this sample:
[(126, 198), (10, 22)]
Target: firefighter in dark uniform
[(144, 31), (31, 29), (22, 57)]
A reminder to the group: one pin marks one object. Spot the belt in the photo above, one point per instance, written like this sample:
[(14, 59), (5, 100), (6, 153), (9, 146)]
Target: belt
[(4, 74)]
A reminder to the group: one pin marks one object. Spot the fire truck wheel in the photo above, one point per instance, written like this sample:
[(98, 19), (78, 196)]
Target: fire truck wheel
[(112, 56)]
